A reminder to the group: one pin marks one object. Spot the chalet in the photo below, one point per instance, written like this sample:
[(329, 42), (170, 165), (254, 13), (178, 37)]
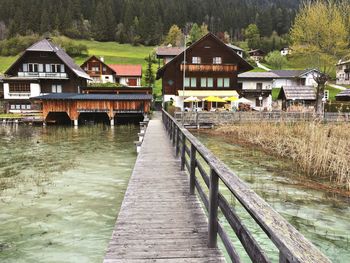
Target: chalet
[(99, 71), (43, 68), (257, 87), (167, 53), (257, 54), (128, 75), (343, 72), (1, 89), (298, 98), (210, 69)]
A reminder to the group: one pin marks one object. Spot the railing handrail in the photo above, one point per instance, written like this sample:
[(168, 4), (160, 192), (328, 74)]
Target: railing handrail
[(293, 246)]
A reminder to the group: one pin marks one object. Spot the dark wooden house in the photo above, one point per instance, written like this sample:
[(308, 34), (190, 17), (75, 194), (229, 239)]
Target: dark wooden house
[(257, 54), (210, 69), (42, 68)]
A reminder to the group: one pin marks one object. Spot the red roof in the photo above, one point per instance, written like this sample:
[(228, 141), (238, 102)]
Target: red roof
[(127, 70)]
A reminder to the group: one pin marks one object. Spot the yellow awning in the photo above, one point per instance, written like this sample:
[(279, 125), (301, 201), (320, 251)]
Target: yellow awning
[(207, 93)]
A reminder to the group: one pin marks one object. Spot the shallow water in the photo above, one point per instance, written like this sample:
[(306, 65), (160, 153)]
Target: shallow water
[(61, 189), (321, 217)]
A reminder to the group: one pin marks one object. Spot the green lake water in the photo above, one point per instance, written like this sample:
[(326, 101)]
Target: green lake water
[(61, 189), (321, 217)]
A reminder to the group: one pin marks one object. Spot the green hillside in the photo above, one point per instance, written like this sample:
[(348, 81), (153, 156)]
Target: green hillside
[(112, 52)]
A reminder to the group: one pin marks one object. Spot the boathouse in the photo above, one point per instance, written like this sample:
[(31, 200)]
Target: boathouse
[(111, 105)]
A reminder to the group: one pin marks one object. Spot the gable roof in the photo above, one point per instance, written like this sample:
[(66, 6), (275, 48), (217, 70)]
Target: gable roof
[(258, 75), (242, 62), (96, 58), (343, 95), (127, 70), (46, 45), (298, 93), (234, 47), (292, 73), (168, 51)]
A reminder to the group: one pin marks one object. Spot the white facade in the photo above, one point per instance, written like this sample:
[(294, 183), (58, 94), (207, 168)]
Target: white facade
[(308, 79), (343, 73), (35, 90), (125, 81), (252, 84)]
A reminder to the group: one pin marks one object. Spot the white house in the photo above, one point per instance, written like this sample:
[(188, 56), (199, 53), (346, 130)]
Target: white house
[(128, 75), (285, 51), (295, 77), (343, 72)]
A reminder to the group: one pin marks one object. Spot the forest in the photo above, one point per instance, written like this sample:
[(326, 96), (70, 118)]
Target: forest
[(142, 21)]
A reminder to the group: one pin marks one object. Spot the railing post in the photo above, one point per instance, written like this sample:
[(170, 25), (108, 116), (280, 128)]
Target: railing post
[(193, 169), (213, 209), (174, 133), (177, 141), (283, 259), (183, 152)]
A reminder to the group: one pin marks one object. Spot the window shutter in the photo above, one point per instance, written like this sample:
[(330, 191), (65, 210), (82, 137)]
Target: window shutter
[(59, 88), (25, 67), (41, 68), (48, 67), (62, 68)]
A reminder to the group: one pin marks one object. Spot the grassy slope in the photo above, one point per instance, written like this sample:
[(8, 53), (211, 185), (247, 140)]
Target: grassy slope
[(113, 53)]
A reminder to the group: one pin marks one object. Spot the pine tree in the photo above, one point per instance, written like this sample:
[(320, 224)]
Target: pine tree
[(149, 76)]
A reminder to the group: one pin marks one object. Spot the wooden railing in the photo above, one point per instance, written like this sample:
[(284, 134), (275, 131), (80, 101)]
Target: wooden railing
[(209, 67), (292, 246), (225, 117)]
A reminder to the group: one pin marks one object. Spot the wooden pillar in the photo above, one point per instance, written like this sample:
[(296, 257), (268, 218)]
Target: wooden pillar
[(193, 169), (213, 209)]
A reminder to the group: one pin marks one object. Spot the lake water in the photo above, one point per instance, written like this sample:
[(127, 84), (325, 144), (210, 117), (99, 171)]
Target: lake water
[(61, 189), (321, 217)]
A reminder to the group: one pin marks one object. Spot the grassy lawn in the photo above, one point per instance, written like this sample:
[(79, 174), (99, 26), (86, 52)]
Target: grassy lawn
[(332, 92), (112, 52)]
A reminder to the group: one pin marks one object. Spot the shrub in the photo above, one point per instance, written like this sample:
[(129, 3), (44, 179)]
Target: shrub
[(14, 46)]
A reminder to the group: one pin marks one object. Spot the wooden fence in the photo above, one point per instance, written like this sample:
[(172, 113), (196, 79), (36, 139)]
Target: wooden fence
[(219, 118), (292, 246)]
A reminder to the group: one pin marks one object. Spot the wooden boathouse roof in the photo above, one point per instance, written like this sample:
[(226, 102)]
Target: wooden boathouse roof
[(297, 93), (104, 97)]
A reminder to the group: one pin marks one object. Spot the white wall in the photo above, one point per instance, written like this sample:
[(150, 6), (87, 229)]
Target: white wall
[(35, 91), (251, 84), (123, 81), (278, 83), (107, 79)]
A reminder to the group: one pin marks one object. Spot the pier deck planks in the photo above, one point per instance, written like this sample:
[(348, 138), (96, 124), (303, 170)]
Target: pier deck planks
[(159, 220)]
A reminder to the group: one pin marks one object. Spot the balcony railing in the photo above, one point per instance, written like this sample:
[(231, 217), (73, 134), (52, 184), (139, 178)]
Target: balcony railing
[(19, 94), (209, 67), (43, 75)]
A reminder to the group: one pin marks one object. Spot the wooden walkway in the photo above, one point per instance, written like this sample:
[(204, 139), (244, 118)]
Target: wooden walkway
[(159, 220)]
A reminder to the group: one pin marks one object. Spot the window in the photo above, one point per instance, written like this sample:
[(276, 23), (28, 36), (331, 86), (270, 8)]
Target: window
[(104, 69), (220, 82), (259, 86), (191, 82), (23, 107), (226, 82), (217, 60), (33, 67), (96, 69), (207, 82), (12, 106), (55, 68), (56, 88), (196, 60), (29, 107), (19, 87), (258, 103), (18, 107)]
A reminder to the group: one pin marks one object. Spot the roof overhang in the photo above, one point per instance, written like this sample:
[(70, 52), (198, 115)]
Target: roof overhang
[(207, 93), (94, 97)]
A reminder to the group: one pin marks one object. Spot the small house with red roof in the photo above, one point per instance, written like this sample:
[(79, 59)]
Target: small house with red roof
[(100, 72)]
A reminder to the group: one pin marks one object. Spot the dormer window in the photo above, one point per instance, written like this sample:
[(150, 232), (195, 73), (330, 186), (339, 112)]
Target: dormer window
[(196, 60), (217, 60)]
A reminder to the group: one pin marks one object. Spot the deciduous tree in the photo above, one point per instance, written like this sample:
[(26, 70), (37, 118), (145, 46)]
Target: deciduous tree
[(319, 35)]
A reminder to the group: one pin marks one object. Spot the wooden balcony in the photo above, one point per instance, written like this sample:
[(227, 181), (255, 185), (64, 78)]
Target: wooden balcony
[(209, 67), (43, 75)]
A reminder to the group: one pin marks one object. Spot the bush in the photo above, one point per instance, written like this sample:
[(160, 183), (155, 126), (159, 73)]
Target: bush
[(17, 44), (72, 48)]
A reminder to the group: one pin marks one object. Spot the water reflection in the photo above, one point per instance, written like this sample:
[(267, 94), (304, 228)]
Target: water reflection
[(60, 190), (322, 217)]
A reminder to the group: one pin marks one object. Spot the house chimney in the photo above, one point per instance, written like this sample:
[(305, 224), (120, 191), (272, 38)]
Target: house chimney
[(102, 59)]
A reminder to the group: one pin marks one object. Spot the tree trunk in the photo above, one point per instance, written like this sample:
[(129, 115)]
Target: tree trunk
[(321, 82)]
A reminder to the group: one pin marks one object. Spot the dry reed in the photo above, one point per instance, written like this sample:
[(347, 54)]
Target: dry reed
[(322, 151)]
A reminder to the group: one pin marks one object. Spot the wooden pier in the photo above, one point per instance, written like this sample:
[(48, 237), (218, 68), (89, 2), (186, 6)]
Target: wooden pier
[(162, 220)]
